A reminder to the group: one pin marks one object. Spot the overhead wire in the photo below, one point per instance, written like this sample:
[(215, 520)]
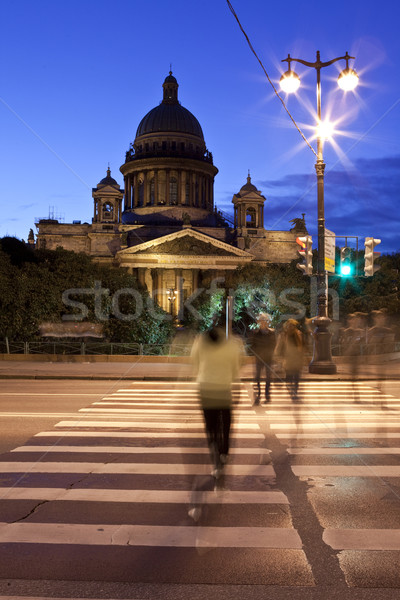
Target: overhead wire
[(267, 76)]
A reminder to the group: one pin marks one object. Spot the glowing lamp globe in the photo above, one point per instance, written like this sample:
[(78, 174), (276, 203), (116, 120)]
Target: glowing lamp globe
[(348, 80), (325, 130), (290, 82)]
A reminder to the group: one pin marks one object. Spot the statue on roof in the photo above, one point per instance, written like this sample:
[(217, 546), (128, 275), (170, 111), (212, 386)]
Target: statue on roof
[(299, 225)]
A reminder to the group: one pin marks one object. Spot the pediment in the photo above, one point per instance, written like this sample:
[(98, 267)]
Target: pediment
[(188, 242)]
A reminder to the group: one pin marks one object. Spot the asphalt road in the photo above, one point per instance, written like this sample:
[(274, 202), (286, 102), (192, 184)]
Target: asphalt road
[(96, 479)]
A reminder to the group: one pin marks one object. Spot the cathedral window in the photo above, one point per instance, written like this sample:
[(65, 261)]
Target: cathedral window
[(187, 193), (107, 210), (250, 217)]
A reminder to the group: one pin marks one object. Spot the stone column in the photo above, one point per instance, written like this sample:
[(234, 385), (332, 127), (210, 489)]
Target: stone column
[(167, 195), (179, 293), (155, 187), (195, 280), (180, 186), (146, 188), (135, 190)]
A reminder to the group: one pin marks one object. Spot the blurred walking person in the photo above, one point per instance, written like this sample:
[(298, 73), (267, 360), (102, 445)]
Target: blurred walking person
[(291, 348), (380, 341), (353, 342), (216, 361), (262, 343)]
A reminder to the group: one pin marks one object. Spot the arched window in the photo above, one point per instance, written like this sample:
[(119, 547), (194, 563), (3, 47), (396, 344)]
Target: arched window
[(107, 211), (250, 217), (173, 191), (187, 193)]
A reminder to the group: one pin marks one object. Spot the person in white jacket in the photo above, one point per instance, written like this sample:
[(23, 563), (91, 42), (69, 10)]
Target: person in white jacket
[(217, 361)]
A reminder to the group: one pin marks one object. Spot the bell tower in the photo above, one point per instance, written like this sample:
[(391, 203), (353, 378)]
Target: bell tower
[(107, 198), (248, 214)]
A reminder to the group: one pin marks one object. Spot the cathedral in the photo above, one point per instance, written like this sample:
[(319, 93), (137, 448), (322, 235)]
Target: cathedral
[(163, 225)]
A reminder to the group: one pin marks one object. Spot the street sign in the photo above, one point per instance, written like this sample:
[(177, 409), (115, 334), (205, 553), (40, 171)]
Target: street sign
[(330, 242)]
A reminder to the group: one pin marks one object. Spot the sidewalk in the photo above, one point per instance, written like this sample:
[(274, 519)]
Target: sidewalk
[(151, 368)]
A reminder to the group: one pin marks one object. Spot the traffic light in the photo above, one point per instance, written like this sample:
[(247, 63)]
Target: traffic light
[(305, 251), (370, 256), (346, 267)]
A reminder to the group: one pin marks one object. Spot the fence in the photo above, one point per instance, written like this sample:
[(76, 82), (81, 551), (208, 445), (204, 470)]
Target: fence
[(93, 348), (121, 349)]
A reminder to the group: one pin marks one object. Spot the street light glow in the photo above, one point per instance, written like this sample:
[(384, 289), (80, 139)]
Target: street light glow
[(348, 80), (325, 130), (290, 82)]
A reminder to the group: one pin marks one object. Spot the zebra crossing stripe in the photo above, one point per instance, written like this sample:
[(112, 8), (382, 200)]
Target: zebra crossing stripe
[(146, 535), (135, 450), (151, 411), (362, 539), (346, 471), (337, 425), (352, 450), (338, 436), (132, 468), (144, 496), (148, 425), (141, 434)]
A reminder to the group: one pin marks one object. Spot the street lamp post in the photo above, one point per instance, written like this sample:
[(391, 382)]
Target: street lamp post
[(322, 357), (171, 295)]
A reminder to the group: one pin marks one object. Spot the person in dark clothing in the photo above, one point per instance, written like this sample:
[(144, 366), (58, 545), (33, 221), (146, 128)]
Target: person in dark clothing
[(262, 343)]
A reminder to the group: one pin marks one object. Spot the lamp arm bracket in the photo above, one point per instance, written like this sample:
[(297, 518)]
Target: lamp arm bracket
[(318, 64)]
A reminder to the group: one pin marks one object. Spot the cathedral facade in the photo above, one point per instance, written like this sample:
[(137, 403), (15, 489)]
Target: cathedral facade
[(163, 225)]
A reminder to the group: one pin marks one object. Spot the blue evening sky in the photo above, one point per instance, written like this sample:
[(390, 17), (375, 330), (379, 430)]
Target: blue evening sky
[(76, 78)]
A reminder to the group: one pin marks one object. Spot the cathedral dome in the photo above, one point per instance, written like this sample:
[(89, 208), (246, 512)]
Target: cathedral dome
[(169, 116), (108, 180), (248, 187)]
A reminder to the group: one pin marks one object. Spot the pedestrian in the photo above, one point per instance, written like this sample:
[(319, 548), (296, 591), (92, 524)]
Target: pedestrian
[(262, 343), (216, 360), (380, 341), (354, 346), (291, 348)]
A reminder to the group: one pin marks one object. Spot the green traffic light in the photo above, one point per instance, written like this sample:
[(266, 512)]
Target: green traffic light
[(345, 270)]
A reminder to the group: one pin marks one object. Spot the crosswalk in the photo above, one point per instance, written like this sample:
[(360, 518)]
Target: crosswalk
[(112, 485)]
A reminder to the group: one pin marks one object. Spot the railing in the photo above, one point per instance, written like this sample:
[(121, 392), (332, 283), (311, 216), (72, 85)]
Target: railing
[(93, 348), (172, 349)]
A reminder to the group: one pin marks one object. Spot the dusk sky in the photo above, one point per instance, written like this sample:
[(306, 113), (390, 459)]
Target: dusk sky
[(78, 76)]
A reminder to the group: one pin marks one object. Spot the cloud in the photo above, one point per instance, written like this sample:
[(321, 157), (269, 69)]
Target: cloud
[(360, 202), (27, 206)]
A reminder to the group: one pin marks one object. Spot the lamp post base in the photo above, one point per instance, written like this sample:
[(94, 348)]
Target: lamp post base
[(322, 363)]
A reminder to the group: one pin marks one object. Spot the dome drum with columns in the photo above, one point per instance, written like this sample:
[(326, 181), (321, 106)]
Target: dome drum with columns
[(163, 225)]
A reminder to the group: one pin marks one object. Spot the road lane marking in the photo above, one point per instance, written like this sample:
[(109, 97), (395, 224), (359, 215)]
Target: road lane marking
[(145, 535)]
